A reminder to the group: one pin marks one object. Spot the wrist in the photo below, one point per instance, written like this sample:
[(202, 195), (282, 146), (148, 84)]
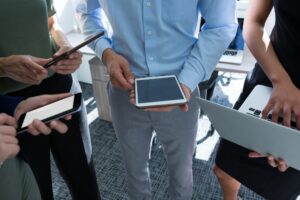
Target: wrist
[(107, 53), (3, 63), (281, 80)]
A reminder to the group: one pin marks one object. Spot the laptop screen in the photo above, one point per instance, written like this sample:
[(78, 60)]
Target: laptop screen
[(238, 41)]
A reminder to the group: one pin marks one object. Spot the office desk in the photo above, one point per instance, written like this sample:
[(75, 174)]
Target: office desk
[(246, 66)]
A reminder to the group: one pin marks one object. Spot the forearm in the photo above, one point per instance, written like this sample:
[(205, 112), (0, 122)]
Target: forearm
[(57, 33), (91, 23), (261, 47)]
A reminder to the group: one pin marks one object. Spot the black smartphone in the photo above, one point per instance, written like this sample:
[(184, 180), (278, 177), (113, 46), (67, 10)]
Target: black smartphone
[(66, 54), (55, 110)]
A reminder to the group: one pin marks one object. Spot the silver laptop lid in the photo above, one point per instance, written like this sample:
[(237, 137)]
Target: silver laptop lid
[(254, 133)]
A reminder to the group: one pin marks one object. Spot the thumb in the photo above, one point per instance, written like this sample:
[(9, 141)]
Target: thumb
[(254, 154), (41, 61), (128, 74), (61, 51), (184, 107)]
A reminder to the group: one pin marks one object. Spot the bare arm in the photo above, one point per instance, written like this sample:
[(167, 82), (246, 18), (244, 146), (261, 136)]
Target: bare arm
[(285, 99), (57, 33), (72, 63), (259, 43)]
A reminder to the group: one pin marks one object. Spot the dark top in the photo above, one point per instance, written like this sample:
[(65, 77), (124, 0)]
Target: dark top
[(285, 38), (24, 31), (256, 174), (8, 104)]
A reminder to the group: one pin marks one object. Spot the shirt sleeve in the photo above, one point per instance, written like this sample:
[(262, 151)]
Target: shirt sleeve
[(50, 8), (92, 21), (217, 33), (8, 104)]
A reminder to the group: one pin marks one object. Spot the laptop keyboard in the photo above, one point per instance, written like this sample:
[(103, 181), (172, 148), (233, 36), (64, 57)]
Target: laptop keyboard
[(230, 53), (256, 113)]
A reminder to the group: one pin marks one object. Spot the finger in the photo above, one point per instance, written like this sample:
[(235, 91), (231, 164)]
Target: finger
[(275, 112), (77, 55), (120, 81), (266, 110), (8, 150), (59, 126), (184, 107), (115, 83), (282, 165), (68, 63), (287, 115), (12, 149), (40, 127), (297, 118), (7, 120), (254, 154), (8, 139), (68, 117), (36, 64), (8, 130), (160, 109), (32, 130), (128, 74), (61, 51), (41, 61), (272, 161)]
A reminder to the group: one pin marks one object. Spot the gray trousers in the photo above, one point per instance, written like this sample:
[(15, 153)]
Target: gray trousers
[(176, 131)]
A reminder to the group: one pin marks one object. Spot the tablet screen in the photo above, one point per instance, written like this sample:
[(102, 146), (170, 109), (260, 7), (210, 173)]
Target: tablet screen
[(49, 110), (157, 90)]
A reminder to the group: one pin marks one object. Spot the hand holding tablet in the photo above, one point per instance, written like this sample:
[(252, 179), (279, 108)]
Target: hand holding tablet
[(160, 94)]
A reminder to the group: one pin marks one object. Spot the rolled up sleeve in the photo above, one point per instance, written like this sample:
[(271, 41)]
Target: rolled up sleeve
[(216, 34)]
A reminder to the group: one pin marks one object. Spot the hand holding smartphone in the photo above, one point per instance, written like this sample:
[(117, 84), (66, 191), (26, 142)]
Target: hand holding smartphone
[(52, 111), (68, 53)]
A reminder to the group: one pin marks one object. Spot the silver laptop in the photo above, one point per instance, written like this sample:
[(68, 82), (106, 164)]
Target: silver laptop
[(257, 100), (254, 133), (235, 51)]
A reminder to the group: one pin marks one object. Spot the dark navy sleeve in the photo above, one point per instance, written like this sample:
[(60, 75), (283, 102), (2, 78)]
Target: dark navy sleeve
[(8, 104)]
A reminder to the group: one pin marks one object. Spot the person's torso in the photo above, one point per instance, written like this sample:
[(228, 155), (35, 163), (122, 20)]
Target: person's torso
[(155, 36), (285, 36), (24, 31)]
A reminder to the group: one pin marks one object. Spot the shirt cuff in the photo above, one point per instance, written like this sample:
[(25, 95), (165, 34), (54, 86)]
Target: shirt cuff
[(100, 46), (190, 78)]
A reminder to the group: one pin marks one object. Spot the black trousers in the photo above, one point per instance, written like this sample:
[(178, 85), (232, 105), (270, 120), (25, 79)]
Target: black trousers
[(67, 149)]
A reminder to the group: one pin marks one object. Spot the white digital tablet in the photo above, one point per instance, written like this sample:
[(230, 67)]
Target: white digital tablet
[(158, 91)]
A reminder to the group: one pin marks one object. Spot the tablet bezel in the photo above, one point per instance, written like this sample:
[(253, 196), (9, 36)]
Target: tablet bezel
[(159, 103)]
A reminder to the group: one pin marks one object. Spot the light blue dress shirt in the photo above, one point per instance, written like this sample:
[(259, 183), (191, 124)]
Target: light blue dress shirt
[(160, 37)]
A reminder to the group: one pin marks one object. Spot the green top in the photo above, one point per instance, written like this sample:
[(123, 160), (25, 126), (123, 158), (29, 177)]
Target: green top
[(24, 31)]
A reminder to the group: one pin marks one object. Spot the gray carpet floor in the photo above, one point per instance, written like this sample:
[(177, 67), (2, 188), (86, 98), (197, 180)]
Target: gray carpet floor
[(111, 174)]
